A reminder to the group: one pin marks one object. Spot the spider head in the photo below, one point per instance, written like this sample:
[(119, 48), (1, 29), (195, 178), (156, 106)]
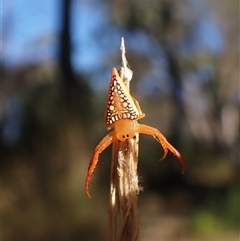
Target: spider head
[(125, 129)]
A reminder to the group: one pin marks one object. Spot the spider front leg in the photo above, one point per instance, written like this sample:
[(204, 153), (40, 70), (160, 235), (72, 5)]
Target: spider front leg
[(104, 143), (148, 130)]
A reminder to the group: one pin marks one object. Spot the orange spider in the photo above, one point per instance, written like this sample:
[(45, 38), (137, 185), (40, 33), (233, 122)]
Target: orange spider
[(122, 113)]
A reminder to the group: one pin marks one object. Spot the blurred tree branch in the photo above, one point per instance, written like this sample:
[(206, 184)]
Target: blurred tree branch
[(75, 89)]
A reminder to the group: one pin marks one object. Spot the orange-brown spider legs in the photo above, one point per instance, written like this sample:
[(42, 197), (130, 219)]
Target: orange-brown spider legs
[(148, 130), (104, 143)]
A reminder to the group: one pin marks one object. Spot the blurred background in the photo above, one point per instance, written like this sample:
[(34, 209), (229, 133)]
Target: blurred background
[(56, 64)]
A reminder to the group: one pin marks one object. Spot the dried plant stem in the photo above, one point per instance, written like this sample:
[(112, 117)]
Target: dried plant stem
[(124, 180), (113, 205), (128, 190)]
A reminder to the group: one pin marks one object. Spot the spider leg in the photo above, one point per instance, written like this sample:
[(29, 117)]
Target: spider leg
[(165, 149), (104, 143), (148, 130)]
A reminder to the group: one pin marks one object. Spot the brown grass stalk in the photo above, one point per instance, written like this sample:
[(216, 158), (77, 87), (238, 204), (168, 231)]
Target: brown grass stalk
[(124, 188)]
